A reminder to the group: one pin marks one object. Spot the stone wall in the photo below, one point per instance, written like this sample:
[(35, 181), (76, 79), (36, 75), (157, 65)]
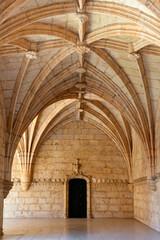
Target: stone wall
[(112, 201), (147, 205), (146, 193), (100, 160)]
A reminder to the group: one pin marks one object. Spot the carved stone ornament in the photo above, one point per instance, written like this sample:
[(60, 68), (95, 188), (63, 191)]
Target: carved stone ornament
[(81, 49), (81, 70), (109, 182), (81, 85), (42, 181), (31, 55), (81, 17), (134, 55)]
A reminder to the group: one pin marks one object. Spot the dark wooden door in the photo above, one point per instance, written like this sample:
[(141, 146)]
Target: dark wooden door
[(77, 198)]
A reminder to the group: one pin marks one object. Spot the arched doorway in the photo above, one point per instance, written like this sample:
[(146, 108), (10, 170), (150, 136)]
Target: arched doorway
[(77, 198)]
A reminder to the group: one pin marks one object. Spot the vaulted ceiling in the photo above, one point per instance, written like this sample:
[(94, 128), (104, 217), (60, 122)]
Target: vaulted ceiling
[(96, 61)]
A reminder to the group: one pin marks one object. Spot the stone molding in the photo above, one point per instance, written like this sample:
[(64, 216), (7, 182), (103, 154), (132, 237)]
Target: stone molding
[(151, 183), (104, 182), (58, 182), (140, 180), (54, 182)]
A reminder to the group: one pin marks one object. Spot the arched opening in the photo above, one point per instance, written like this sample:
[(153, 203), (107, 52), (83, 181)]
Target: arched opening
[(77, 198)]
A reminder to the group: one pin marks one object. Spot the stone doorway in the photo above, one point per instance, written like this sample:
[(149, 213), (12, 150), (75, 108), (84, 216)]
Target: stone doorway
[(77, 198)]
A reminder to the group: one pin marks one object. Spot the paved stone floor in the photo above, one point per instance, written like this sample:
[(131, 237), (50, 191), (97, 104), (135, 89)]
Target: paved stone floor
[(77, 229)]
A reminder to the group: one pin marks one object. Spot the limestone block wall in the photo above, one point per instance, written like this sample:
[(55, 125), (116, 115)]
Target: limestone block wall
[(146, 197), (100, 160), (41, 201), (147, 205), (112, 201)]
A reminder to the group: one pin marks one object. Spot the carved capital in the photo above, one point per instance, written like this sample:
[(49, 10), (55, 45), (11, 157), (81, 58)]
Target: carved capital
[(81, 49), (31, 55), (7, 187), (81, 17)]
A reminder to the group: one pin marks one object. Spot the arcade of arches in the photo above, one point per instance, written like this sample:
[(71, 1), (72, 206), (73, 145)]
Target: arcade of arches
[(80, 99)]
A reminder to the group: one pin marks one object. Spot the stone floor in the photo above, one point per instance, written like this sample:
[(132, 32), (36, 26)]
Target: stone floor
[(60, 229)]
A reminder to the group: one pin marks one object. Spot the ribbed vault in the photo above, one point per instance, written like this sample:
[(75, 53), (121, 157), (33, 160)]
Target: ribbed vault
[(88, 60)]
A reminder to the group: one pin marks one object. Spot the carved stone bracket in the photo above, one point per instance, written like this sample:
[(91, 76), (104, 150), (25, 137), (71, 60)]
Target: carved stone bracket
[(81, 70), (7, 187)]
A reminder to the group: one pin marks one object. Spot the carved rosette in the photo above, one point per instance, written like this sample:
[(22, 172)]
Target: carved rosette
[(81, 49), (31, 55), (81, 17)]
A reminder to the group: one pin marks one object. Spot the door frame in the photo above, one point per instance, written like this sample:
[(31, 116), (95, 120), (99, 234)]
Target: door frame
[(66, 193)]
